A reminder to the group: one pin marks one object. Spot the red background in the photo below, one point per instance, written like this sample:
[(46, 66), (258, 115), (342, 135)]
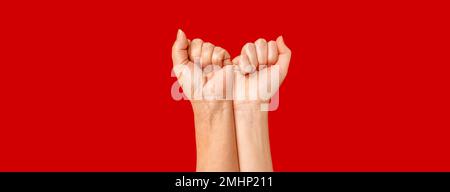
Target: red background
[(85, 86)]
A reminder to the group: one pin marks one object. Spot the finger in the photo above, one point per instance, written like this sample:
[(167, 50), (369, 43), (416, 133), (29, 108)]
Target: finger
[(195, 49), (244, 65), (179, 49), (227, 58), (227, 62), (236, 60), (272, 53), (250, 50), (284, 57), (235, 63), (218, 56), (261, 51), (206, 56)]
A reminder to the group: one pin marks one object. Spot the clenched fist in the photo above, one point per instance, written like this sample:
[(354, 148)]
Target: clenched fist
[(226, 97), (263, 67), (203, 70)]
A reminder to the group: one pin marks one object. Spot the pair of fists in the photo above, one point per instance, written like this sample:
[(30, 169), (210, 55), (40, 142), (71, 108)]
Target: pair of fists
[(207, 72)]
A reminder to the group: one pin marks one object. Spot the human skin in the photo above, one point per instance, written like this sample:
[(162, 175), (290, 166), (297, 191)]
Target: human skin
[(231, 125), (257, 60), (213, 115)]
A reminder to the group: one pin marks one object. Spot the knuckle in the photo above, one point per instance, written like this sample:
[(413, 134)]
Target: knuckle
[(216, 57), (208, 44), (219, 49), (249, 46), (196, 40), (261, 41)]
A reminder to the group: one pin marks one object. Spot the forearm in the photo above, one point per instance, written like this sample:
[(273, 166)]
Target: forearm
[(252, 133), (215, 136)]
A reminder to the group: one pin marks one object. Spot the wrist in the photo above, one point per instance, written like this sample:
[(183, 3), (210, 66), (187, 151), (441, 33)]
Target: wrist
[(252, 133), (215, 136), (204, 107), (250, 120), (249, 105), (213, 116)]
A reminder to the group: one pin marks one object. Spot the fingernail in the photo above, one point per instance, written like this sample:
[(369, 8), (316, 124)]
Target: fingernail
[(281, 38), (179, 33)]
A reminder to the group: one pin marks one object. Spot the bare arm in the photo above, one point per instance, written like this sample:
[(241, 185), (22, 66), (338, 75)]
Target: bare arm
[(252, 133), (215, 136), (214, 119), (262, 64)]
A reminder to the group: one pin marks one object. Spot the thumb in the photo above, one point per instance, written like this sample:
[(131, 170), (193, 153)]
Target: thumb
[(235, 61), (284, 57), (179, 49)]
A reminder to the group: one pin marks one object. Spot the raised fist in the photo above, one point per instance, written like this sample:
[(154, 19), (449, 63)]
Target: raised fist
[(203, 70), (263, 67)]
